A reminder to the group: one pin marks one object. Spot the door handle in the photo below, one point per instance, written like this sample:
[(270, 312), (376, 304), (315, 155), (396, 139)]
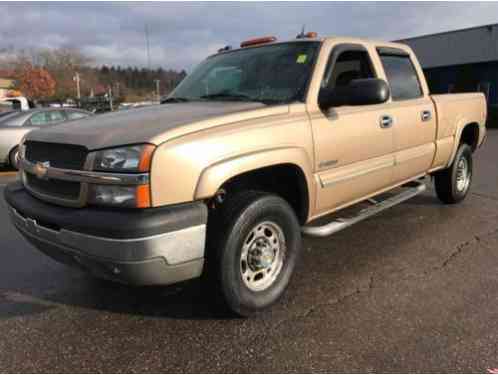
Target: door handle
[(426, 115), (386, 122)]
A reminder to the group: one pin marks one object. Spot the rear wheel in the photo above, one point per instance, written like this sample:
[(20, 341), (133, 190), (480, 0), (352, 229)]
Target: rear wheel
[(14, 158), (453, 183), (256, 241)]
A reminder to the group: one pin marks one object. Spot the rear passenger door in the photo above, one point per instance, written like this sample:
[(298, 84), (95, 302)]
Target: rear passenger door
[(412, 110)]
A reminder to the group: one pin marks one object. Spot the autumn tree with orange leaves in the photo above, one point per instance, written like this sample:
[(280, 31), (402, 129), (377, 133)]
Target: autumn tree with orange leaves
[(34, 82)]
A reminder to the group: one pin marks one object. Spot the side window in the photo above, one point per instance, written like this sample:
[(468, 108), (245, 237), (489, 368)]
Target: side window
[(38, 119), (74, 115), (402, 76), (55, 116), (349, 65)]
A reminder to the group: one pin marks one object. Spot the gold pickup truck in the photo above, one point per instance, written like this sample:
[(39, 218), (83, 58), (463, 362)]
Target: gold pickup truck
[(257, 146)]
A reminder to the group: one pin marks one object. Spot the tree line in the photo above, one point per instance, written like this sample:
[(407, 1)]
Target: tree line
[(51, 74)]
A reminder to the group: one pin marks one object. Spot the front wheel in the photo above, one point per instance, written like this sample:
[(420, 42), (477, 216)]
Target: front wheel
[(453, 184), (257, 244)]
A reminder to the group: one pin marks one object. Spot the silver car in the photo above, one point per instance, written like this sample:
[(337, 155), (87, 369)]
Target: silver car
[(14, 125)]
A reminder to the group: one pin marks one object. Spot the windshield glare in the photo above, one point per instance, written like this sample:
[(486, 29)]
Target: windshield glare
[(277, 73)]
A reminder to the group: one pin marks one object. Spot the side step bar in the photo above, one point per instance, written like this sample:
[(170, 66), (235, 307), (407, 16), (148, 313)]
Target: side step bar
[(337, 225)]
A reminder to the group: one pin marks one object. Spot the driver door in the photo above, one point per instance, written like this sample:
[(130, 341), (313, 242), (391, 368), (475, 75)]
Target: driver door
[(353, 144)]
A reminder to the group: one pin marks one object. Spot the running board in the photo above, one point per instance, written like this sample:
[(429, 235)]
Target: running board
[(337, 225)]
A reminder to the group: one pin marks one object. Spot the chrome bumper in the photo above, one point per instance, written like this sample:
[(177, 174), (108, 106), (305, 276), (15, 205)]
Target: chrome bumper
[(154, 260)]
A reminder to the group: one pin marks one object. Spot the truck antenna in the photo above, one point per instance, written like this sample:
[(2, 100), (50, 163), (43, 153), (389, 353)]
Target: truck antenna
[(301, 34)]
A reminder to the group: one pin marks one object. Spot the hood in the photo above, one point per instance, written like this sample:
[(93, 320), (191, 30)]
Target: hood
[(155, 124)]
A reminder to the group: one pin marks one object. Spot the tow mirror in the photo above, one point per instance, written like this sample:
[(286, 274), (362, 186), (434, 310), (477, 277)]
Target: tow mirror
[(357, 92)]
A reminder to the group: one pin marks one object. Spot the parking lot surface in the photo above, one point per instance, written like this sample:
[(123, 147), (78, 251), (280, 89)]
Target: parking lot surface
[(414, 289)]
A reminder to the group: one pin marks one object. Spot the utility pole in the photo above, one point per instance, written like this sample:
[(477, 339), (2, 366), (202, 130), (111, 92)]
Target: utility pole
[(157, 81), (110, 97), (147, 44), (76, 78)]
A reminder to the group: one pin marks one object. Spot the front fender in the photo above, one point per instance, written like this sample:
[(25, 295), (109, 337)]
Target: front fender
[(214, 176)]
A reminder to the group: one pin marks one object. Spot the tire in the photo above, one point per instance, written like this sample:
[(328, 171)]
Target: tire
[(255, 240), (453, 184), (13, 158)]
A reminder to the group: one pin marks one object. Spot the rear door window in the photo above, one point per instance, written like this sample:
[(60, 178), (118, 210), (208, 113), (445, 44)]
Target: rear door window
[(39, 119), (55, 116), (401, 75)]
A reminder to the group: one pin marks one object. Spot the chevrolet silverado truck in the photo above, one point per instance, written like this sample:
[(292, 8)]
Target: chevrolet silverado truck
[(257, 146)]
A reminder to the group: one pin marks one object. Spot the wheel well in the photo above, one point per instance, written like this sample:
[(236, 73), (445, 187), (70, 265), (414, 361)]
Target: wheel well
[(470, 135), (284, 180), (11, 152)]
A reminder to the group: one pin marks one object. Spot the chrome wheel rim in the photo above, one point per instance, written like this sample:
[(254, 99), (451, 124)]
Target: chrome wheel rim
[(262, 256), (463, 175)]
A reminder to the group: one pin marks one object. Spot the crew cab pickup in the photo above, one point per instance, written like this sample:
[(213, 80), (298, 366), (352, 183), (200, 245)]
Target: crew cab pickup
[(255, 147)]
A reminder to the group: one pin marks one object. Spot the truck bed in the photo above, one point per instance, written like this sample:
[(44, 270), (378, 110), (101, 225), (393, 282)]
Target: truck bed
[(454, 109)]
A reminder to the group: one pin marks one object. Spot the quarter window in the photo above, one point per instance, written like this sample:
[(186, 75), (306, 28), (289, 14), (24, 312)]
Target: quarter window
[(402, 77), (73, 115)]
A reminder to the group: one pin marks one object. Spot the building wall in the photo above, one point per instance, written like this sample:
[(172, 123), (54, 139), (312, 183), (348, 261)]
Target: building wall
[(467, 46), (465, 78)]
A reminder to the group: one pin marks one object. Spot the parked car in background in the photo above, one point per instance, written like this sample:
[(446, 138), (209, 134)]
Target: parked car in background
[(6, 107), (14, 125), (18, 103)]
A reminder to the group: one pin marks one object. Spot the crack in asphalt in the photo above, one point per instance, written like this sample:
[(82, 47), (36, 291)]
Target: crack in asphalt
[(485, 196), (340, 299), (459, 249)]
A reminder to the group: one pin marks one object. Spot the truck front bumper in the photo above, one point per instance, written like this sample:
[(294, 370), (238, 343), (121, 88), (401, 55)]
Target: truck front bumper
[(156, 246)]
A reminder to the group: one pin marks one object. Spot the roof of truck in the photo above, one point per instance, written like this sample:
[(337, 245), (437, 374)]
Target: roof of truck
[(345, 39)]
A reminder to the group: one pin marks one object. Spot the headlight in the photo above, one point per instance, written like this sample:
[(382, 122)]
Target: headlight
[(119, 196), (129, 159), (124, 159)]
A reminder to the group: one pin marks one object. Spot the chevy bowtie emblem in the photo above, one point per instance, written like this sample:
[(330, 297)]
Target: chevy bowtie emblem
[(41, 169)]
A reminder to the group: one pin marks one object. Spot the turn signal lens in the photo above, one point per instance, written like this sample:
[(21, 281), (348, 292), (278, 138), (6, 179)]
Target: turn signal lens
[(146, 158), (142, 196)]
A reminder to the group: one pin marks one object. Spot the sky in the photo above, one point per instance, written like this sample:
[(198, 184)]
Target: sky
[(181, 34)]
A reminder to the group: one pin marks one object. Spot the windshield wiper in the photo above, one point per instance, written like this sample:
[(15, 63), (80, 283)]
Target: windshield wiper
[(239, 97), (227, 95), (175, 100)]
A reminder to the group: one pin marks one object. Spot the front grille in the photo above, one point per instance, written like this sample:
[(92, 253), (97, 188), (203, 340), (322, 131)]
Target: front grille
[(59, 155), (55, 188)]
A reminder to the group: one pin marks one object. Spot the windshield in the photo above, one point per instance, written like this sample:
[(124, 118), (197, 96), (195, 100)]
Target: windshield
[(277, 73)]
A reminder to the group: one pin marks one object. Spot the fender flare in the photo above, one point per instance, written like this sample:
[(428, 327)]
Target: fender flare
[(215, 175)]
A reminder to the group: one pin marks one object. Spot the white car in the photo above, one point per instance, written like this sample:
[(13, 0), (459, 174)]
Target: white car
[(14, 125)]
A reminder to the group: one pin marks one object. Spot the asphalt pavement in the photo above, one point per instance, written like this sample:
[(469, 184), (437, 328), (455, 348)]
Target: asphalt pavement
[(414, 289)]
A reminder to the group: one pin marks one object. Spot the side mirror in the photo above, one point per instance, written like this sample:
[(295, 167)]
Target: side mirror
[(357, 92)]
